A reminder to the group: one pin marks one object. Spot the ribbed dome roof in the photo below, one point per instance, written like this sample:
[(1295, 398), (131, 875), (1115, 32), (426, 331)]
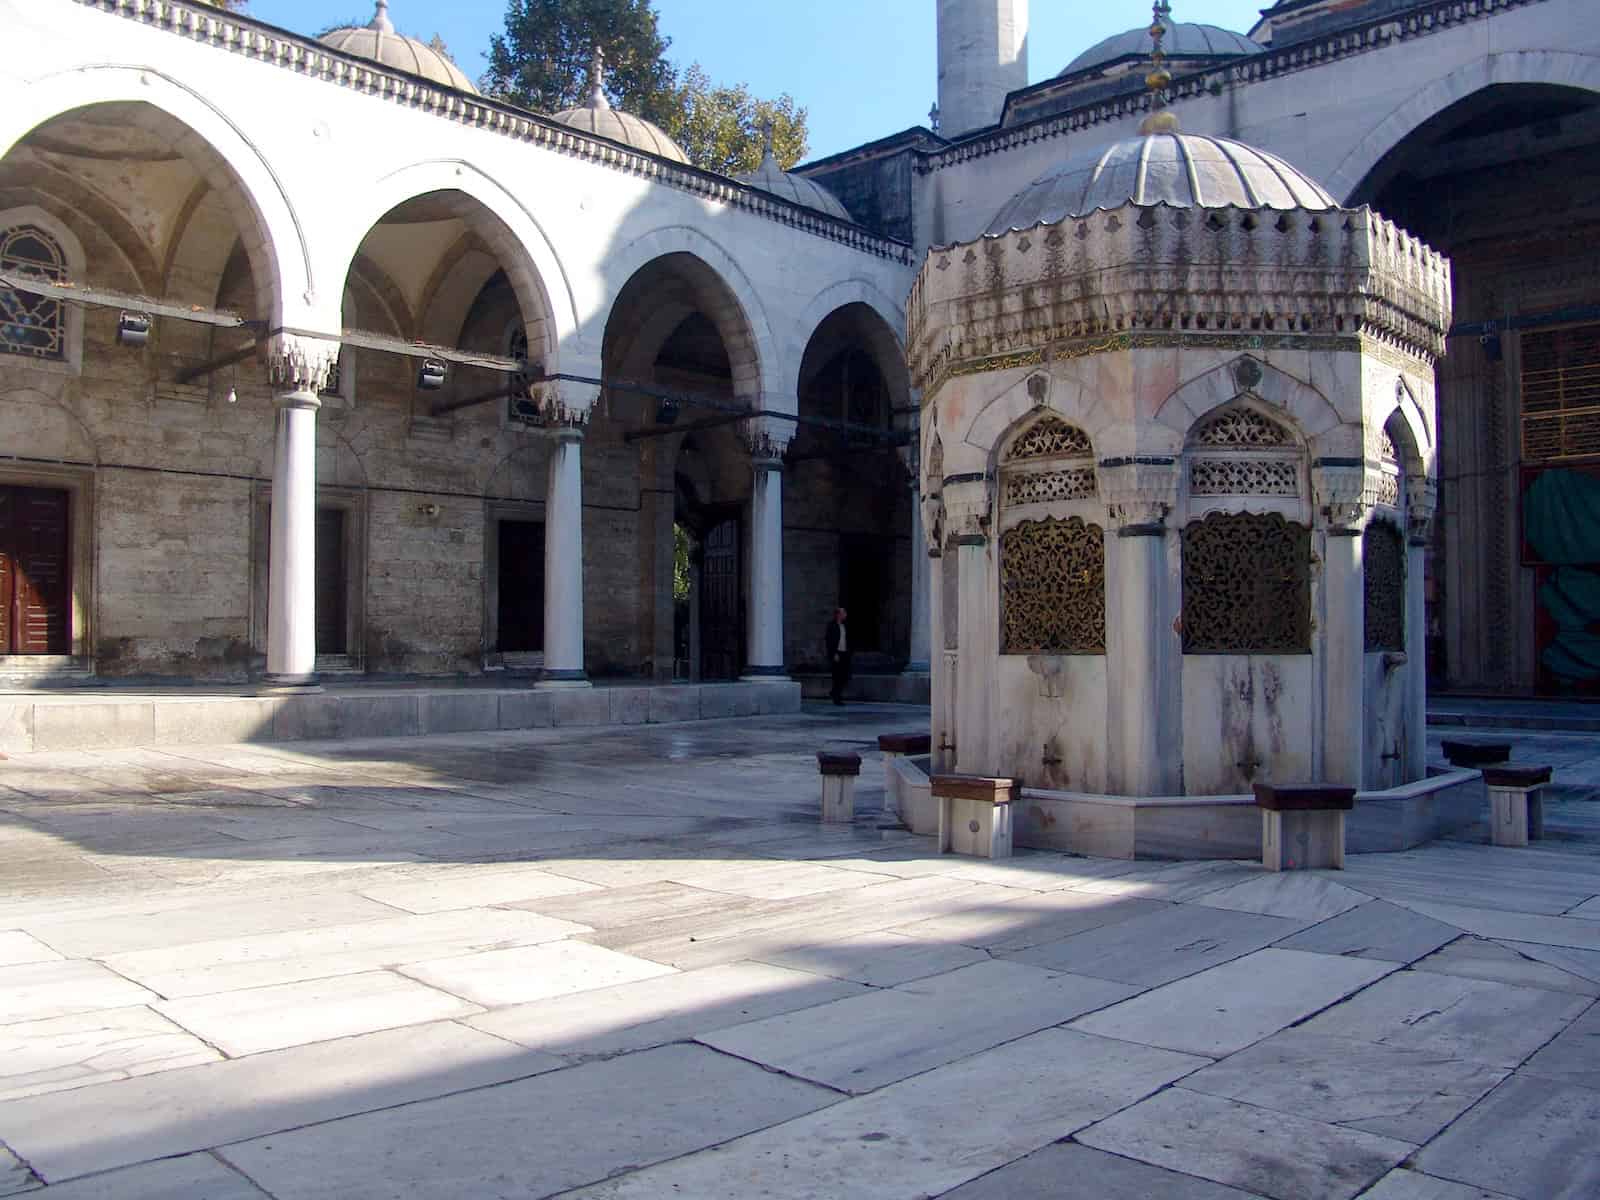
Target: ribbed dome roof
[(1184, 39), (599, 118), (770, 177), (380, 43), (1184, 170)]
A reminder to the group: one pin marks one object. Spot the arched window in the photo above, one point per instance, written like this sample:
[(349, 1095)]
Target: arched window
[(31, 325), (1052, 555), (1390, 472)]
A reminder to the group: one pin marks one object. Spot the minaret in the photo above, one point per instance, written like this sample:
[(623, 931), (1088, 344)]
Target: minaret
[(983, 55)]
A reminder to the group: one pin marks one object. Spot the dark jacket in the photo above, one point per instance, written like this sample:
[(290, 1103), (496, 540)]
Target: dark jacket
[(832, 638)]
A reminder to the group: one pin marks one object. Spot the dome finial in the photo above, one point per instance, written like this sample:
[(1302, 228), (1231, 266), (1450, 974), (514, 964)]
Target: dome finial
[(1159, 120), (380, 18), (597, 79), (769, 131)]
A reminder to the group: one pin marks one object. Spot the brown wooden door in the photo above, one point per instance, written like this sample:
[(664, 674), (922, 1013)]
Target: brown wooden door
[(721, 654), (330, 586), (35, 583)]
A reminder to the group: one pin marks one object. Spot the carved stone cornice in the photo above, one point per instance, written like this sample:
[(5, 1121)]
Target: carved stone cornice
[(233, 33), (1157, 275), (767, 439), (1138, 492), (297, 363)]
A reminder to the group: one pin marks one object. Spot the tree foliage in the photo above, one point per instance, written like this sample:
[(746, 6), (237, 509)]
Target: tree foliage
[(542, 62), (542, 59)]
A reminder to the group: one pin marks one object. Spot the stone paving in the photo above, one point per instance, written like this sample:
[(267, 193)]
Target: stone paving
[(631, 964)]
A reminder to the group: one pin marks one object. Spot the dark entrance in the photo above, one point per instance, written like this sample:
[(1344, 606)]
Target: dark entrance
[(521, 608), (721, 648), (864, 587), (35, 588), (331, 624)]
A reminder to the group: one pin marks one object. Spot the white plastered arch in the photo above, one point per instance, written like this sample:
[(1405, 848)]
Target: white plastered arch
[(536, 272), (1558, 67), (839, 295), (270, 229), (753, 378), (1292, 401), (1003, 412)]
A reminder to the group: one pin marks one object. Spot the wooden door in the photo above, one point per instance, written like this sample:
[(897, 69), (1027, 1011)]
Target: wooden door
[(35, 571), (521, 587), (721, 654)]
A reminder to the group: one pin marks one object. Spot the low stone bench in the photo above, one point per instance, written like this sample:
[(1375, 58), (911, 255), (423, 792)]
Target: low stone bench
[(1475, 752), (839, 773), (974, 814), (893, 746), (1302, 825), (1516, 807)]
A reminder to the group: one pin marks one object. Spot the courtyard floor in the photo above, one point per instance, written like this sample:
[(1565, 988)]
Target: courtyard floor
[(631, 964)]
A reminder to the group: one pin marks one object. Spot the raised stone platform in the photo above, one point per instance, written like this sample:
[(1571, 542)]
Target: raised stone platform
[(114, 717)]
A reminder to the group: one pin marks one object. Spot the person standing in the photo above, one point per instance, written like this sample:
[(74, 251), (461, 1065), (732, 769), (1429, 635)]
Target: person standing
[(838, 641)]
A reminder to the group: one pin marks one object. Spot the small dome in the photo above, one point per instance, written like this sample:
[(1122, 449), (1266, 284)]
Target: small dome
[(1184, 39), (380, 43), (1184, 170), (599, 118), (770, 177)]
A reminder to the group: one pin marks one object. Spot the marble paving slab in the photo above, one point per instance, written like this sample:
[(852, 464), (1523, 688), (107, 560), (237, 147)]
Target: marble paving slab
[(255, 1020), (1175, 882), (17, 947), (87, 1048), (1227, 1007), (1295, 895), (523, 973), (1583, 963), (1041, 872), (924, 1136), (1589, 910), (1027, 918), (1532, 1138), (1267, 1153), (169, 925), (771, 880), (534, 1137), (39, 990), (1513, 926), (667, 1008), (864, 1042), (475, 888), (881, 959), (14, 1174), (1377, 930), (1402, 1184), (67, 1134), (1478, 958), (1487, 1022), (1044, 1174), (1161, 946), (202, 968), (1573, 1055), (192, 1177), (1405, 1094)]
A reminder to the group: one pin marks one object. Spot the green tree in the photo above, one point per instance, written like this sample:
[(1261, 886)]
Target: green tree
[(724, 128), (542, 60)]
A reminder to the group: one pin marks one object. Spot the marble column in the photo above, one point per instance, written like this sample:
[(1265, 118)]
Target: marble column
[(968, 510), (1414, 761), (1344, 657), (1135, 708), (563, 562), (300, 366), (764, 631), (921, 626)]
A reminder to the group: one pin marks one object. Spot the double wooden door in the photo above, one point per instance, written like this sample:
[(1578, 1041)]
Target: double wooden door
[(35, 571)]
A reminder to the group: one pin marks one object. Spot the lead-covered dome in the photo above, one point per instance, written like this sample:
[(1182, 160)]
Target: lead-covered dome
[(599, 118), (1184, 39), (770, 177), (1183, 170), (381, 44)]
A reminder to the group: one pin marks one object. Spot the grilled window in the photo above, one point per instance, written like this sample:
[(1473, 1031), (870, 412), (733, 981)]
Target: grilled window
[(30, 325), (1561, 393), (1246, 585)]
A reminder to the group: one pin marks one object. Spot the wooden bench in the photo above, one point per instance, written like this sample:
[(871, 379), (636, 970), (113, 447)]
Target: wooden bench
[(838, 773), (1516, 806), (1475, 752), (1302, 825), (974, 814)]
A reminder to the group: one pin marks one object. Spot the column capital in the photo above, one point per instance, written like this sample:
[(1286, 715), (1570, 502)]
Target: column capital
[(564, 405), (933, 523), (302, 398), (1139, 491), (301, 363), (968, 508), (1338, 488), (767, 439)]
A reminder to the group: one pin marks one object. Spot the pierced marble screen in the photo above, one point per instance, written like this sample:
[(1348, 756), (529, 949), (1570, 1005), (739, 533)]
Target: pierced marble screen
[(1244, 477), (1041, 487), (1053, 588), (1051, 437), (1246, 585), (1383, 556), (1241, 427)]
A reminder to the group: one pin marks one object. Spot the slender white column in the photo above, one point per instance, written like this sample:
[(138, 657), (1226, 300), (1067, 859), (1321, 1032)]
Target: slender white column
[(291, 588), (563, 563), (921, 631), (977, 638), (1344, 650), (764, 648), (1136, 705), (1415, 761)]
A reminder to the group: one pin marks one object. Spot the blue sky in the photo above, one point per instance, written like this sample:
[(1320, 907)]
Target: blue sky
[(863, 68)]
